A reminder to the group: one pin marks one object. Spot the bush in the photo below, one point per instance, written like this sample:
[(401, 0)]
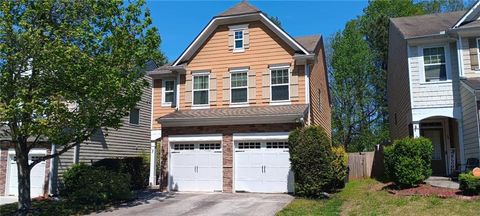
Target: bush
[(340, 164), (469, 184), (95, 185), (136, 167), (312, 161), (408, 161)]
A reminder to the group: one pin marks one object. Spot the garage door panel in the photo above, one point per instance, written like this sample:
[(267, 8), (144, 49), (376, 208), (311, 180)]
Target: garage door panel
[(248, 159)]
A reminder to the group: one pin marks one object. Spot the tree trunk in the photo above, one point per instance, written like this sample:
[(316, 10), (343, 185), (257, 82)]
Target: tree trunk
[(24, 201)]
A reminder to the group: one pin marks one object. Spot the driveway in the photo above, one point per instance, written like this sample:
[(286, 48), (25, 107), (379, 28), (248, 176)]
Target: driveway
[(8, 199), (210, 204)]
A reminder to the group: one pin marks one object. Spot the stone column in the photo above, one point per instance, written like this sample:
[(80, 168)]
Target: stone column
[(227, 146)]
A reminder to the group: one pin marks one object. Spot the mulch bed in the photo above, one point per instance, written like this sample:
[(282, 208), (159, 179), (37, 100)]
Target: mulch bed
[(428, 190)]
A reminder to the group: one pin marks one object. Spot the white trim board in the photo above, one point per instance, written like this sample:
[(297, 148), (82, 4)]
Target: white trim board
[(195, 138), (261, 136)]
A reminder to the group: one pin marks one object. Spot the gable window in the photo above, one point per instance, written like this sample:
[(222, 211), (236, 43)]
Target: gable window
[(200, 89), (135, 116), (239, 86), (238, 43), (434, 63), (168, 87), (280, 84)]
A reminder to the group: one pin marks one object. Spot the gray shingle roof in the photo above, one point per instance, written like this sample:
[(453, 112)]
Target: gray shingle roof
[(309, 42), (473, 82), (472, 24), (424, 25), (241, 8)]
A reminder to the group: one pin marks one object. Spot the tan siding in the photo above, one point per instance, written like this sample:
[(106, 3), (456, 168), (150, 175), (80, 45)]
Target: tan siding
[(158, 109), (398, 86), (470, 124), (320, 104), (467, 63)]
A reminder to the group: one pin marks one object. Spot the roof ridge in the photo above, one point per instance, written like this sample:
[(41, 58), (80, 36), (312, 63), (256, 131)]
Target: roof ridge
[(241, 8)]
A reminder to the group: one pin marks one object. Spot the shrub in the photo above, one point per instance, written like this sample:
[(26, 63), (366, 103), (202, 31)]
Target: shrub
[(469, 184), (312, 161), (408, 161), (95, 185), (340, 164), (136, 167)]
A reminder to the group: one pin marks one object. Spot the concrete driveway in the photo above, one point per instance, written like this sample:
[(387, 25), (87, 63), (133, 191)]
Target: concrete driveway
[(7, 199), (210, 204)]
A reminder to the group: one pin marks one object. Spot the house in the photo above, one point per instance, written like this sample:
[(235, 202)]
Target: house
[(131, 139), (434, 84), (223, 109)]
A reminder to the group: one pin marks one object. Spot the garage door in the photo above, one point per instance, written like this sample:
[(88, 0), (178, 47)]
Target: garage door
[(37, 177), (263, 167), (196, 167)]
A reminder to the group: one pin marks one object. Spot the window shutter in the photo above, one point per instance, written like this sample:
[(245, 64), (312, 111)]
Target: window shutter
[(226, 88), (213, 88), (266, 85), (188, 90), (294, 83), (473, 53), (251, 86), (230, 40), (246, 38)]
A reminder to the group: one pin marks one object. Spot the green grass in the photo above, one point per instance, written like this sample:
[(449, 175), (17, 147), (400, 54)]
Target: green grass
[(366, 197)]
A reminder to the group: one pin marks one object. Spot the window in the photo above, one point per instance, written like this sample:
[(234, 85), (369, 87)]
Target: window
[(200, 89), (184, 147), (277, 145), (210, 146), (168, 92), (135, 116), (239, 87), (238, 40), (280, 84), (434, 64), (249, 145)]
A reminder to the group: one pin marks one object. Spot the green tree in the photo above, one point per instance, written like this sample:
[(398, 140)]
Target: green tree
[(440, 6), (275, 20), (68, 68)]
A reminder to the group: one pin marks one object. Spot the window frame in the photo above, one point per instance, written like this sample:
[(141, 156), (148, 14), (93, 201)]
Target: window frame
[(235, 48), (164, 91), (238, 28), (130, 116), (231, 88), (197, 74), (287, 84), (422, 65), (478, 52)]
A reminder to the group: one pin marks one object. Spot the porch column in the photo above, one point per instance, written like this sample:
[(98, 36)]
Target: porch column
[(461, 145), (153, 161), (416, 129)]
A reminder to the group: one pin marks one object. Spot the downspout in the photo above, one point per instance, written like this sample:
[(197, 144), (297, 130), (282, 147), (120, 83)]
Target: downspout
[(177, 99), (460, 56), (307, 91)]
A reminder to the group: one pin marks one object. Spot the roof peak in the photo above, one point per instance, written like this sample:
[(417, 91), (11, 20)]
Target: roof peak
[(241, 8)]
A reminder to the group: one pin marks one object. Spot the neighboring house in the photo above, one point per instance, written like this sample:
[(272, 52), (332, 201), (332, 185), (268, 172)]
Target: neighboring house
[(132, 139), (223, 110), (434, 84)]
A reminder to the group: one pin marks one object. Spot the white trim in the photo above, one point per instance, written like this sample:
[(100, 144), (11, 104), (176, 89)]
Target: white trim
[(307, 84), (164, 91), (460, 56), (446, 50), (239, 104), (177, 100), (235, 48), (261, 136), (238, 27), (409, 62), (153, 162), (419, 114), (155, 135), (195, 138), (152, 118), (207, 89), (466, 15), (478, 51), (289, 71)]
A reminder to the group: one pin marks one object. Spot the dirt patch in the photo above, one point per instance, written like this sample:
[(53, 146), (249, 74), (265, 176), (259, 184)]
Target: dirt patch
[(428, 190)]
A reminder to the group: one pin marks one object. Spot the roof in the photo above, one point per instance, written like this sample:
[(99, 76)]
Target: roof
[(471, 14), (241, 8), (238, 115), (4, 136), (473, 24), (309, 42), (426, 25), (474, 83)]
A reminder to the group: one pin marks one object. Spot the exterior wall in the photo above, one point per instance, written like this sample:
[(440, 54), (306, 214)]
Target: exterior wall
[(467, 66), (227, 145), (398, 86), (470, 124), (158, 109), (320, 106), (434, 95)]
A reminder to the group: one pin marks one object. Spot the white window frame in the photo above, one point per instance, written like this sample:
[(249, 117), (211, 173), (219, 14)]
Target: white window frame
[(478, 51), (238, 28), (288, 84), (164, 91), (231, 88), (194, 90), (447, 63), (235, 40)]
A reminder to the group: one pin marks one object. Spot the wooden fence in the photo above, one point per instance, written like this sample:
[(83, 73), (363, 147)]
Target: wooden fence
[(366, 164)]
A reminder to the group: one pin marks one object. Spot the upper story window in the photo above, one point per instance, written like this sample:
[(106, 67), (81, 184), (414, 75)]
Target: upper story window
[(239, 86), (434, 63), (200, 89), (279, 84), (134, 116), (238, 44), (168, 90)]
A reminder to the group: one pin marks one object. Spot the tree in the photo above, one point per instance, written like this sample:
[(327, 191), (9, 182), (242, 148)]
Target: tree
[(67, 69), (441, 6), (275, 20)]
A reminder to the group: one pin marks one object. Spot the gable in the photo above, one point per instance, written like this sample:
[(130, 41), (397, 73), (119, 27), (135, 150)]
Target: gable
[(471, 15)]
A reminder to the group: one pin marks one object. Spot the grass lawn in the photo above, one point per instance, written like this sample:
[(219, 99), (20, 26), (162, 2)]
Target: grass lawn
[(366, 197)]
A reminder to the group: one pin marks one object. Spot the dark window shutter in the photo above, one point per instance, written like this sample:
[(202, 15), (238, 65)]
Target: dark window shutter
[(473, 53)]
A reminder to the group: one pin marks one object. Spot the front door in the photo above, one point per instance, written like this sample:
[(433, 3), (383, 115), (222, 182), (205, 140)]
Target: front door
[(438, 156)]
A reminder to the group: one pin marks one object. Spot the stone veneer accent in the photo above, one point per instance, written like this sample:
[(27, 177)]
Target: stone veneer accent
[(227, 145)]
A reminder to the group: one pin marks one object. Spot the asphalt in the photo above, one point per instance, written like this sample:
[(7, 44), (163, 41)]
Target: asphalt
[(211, 204)]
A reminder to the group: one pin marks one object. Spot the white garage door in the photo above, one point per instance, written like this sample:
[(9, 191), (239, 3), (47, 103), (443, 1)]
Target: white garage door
[(37, 176), (263, 167), (196, 167)]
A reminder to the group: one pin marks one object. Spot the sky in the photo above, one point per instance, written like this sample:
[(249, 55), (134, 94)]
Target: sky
[(179, 22)]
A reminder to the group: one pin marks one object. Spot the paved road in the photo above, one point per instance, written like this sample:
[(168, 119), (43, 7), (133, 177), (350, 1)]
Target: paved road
[(210, 204)]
